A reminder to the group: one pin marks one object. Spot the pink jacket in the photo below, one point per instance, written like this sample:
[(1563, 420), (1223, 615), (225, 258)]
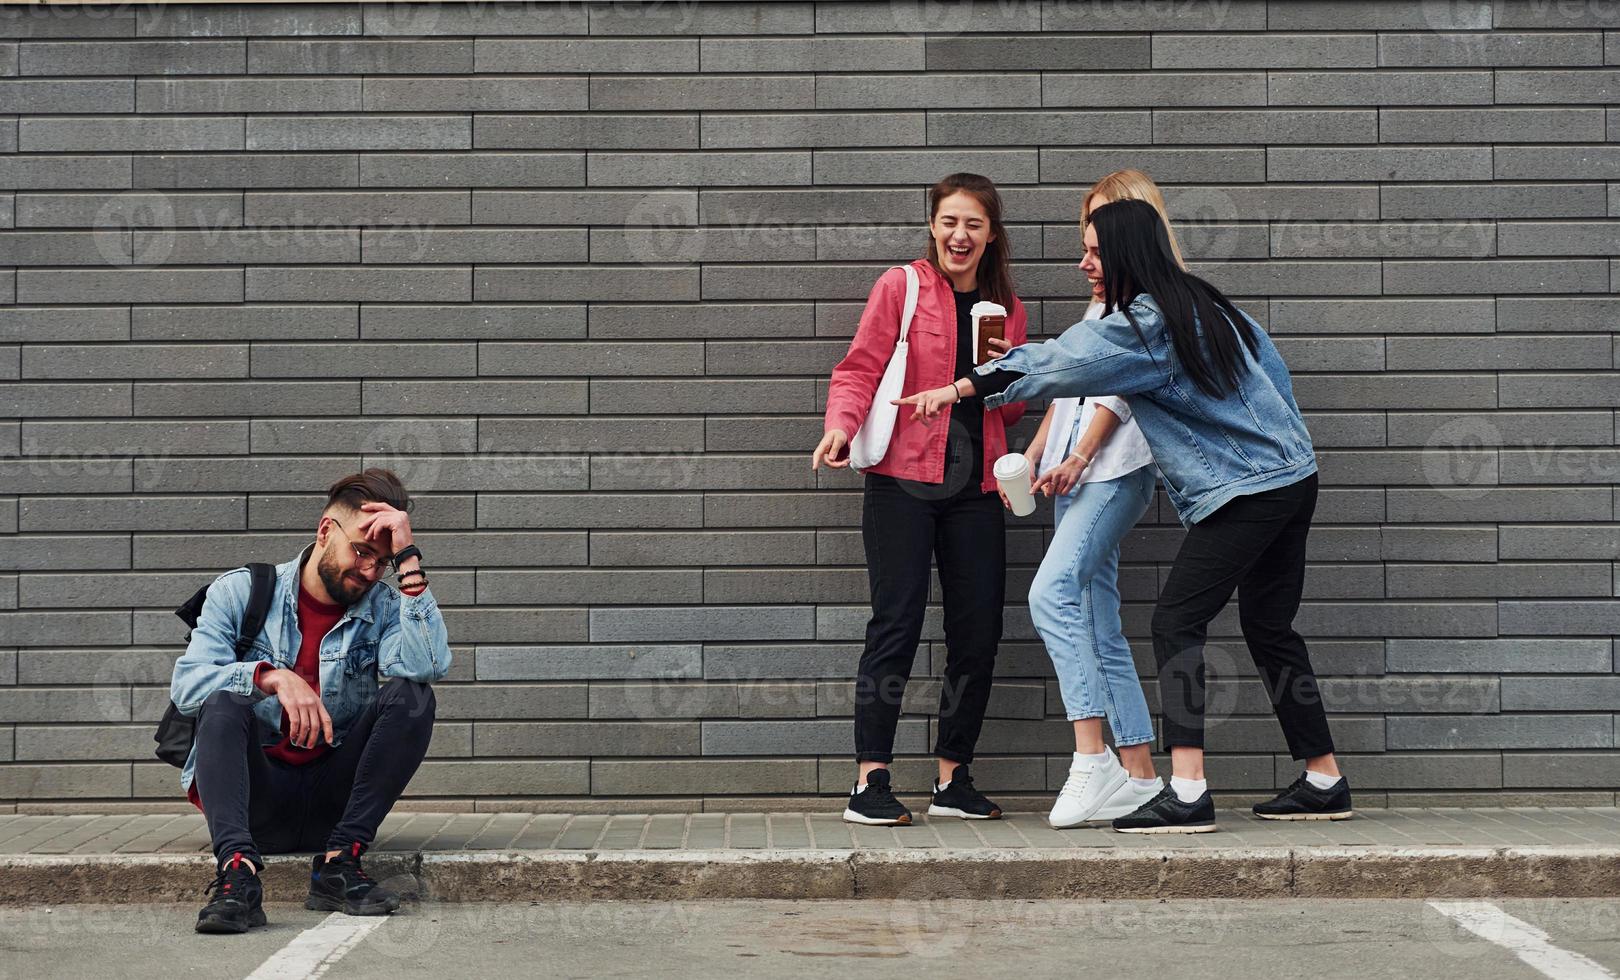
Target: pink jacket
[(916, 451)]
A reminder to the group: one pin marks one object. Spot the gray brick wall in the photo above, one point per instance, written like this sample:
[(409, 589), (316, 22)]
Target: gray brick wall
[(579, 272)]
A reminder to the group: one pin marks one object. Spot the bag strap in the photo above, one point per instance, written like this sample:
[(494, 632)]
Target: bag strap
[(258, 606), (911, 303)]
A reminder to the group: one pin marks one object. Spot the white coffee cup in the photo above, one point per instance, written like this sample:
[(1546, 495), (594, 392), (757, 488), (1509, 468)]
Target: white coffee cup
[(1012, 475)]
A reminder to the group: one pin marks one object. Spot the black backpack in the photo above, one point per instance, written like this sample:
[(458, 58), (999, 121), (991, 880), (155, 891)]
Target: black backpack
[(176, 731)]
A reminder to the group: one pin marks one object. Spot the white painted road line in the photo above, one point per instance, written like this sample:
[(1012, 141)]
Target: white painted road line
[(315, 949), (1527, 942)]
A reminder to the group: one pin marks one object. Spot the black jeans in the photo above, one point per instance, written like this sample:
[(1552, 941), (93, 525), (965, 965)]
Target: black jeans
[(1256, 545), (903, 524), (253, 802)]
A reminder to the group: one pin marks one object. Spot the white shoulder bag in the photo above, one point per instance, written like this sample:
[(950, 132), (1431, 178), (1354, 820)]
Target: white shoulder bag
[(871, 442)]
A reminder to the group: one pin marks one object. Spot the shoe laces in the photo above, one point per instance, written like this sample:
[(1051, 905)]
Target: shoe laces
[(878, 792), (352, 860), (1168, 793), (964, 782), (1076, 784), (354, 872), (228, 876)]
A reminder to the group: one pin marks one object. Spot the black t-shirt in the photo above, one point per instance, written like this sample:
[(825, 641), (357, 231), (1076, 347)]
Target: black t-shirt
[(967, 415)]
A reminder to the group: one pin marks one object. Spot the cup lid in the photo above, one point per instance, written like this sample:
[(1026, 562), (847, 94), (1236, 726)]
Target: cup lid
[(1010, 466)]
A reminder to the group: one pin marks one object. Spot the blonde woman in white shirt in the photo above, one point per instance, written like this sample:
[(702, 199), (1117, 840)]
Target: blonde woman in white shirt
[(1091, 456)]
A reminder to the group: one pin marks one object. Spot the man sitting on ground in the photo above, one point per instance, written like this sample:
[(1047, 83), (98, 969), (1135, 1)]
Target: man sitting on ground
[(309, 740)]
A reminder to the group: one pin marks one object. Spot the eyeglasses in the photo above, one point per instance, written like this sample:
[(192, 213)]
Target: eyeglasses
[(364, 558)]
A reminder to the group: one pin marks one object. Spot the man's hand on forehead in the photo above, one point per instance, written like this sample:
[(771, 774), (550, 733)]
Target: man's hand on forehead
[(387, 527)]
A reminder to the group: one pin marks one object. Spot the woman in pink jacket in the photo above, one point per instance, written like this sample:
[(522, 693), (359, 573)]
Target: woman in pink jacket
[(933, 495)]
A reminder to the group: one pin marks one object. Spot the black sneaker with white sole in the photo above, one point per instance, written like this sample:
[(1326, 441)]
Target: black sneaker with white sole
[(1302, 801), (876, 804), (1166, 814), (960, 799)]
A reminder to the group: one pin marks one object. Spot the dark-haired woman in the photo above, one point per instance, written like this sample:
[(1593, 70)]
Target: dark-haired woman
[(933, 495), (1215, 402)]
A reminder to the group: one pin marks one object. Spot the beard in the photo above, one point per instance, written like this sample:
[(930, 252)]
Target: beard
[(345, 588)]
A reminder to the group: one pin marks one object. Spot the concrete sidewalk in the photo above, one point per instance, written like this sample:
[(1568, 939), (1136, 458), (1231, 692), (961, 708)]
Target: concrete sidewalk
[(1396, 853)]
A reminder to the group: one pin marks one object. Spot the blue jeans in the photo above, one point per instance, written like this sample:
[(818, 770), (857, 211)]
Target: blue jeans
[(1074, 602)]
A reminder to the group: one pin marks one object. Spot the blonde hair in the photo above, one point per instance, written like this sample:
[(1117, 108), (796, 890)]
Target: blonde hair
[(1131, 185)]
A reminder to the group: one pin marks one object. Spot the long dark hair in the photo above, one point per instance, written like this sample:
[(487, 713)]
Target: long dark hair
[(995, 265), (1137, 258)]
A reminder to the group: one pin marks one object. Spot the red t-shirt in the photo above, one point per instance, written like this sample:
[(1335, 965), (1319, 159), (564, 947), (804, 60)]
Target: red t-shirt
[(315, 620)]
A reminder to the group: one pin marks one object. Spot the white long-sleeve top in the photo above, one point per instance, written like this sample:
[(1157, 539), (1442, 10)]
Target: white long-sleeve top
[(1125, 451)]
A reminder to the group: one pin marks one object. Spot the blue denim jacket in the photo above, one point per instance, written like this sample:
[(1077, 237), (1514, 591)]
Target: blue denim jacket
[(1209, 448), (384, 634)]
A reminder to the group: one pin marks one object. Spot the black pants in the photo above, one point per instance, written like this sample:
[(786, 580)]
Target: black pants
[(254, 803), (1256, 545), (903, 525)]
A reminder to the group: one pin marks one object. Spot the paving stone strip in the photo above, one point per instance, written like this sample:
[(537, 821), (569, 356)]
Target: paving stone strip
[(1530, 852)]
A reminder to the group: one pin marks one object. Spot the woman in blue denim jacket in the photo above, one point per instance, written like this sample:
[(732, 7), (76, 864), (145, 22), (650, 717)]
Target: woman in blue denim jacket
[(1217, 408)]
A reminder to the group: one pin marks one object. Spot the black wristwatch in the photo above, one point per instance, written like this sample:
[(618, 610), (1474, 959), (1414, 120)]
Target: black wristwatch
[(409, 551)]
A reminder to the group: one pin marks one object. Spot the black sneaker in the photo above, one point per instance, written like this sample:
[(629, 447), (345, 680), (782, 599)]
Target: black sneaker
[(341, 885), (960, 799), (1166, 814), (876, 804), (1302, 801), (238, 904)]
